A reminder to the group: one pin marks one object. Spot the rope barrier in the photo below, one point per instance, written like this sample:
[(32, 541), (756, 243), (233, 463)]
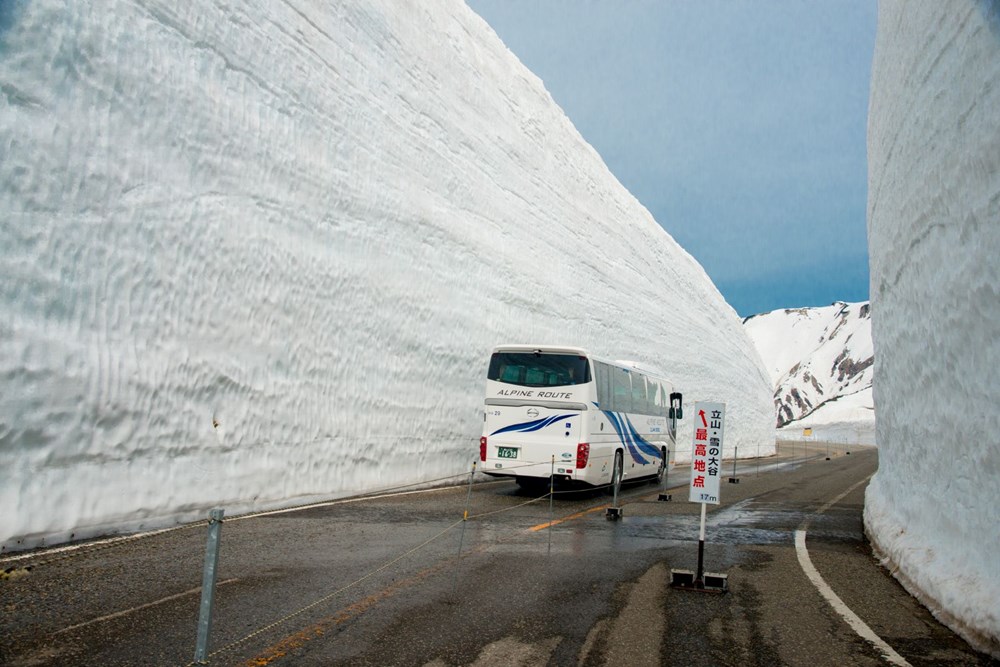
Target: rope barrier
[(18, 571), (387, 565), (509, 509), (75, 551), (57, 555), (382, 568), (325, 598)]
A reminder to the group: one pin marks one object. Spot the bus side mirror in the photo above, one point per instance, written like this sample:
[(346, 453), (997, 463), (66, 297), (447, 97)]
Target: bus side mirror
[(671, 414), (676, 405)]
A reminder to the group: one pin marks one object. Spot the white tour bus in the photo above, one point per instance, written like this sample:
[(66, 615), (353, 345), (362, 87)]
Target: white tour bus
[(599, 421)]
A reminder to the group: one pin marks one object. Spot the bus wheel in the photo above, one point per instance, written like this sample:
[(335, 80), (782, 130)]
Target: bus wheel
[(616, 474), (663, 465)]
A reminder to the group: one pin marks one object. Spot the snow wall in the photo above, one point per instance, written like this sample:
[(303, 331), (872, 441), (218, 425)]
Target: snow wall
[(255, 254), (933, 212)]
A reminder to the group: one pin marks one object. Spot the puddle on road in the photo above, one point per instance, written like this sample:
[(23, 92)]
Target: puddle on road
[(641, 530), (747, 523), (750, 513)]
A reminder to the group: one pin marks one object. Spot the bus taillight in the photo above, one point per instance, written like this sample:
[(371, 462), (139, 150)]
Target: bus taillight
[(582, 454), (482, 448)]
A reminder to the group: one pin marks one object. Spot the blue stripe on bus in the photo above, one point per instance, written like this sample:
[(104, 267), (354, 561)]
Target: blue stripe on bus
[(625, 436), (647, 447), (536, 425)]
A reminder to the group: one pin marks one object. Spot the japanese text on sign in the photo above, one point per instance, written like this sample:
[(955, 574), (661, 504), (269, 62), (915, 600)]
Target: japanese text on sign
[(706, 452)]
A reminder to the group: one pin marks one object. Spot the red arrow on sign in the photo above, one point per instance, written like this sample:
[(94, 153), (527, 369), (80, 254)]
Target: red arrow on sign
[(701, 413)]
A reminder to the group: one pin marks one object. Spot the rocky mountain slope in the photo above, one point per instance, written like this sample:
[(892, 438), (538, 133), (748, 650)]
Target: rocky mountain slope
[(819, 359)]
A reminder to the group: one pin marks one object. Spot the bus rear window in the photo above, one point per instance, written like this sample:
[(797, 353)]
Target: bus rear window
[(528, 369)]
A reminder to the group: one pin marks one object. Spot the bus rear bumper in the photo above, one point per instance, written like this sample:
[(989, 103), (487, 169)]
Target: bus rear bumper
[(563, 471)]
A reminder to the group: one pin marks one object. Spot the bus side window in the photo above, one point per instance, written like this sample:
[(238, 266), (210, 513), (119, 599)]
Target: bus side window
[(638, 393), (661, 400), (621, 387), (601, 379)]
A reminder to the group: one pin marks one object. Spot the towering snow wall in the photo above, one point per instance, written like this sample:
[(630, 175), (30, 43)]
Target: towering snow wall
[(257, 253), (933, 213)]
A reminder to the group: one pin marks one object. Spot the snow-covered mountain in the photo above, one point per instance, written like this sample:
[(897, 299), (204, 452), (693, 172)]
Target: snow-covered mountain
[(254, 254), (934, 238), (820, 361)]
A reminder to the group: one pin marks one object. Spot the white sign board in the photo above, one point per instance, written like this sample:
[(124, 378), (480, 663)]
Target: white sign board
[(706, 452)]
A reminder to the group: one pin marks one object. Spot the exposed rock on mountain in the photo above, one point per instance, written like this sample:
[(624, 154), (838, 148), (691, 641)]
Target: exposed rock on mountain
[(815, 356)]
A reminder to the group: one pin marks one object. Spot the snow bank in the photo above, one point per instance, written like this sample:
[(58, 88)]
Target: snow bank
[(933, 211), (257, 253)]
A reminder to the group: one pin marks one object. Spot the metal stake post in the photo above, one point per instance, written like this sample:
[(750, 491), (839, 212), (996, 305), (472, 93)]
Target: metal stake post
[(734, 479), (552, 482), (666, 474), (666, 470), (614, 513), (208, 585), (614, 490), (699, 577), (465, 516)]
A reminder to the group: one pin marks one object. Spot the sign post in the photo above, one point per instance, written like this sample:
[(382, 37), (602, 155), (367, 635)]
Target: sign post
[(734, 479), (706, 461)]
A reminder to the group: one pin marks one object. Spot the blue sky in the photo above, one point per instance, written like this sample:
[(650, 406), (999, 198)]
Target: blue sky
[(739, 124)]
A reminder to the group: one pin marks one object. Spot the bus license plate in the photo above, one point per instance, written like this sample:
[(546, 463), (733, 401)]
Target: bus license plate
[(507, 452)]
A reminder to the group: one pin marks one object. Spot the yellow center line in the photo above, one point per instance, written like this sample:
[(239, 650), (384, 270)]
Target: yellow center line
[(297, 640), (543, 526)]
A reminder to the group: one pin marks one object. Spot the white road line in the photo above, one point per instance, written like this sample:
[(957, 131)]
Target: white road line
[(838, 605), (51, 551), (125, 538), (125, 612), (344, 501), (836, 500)]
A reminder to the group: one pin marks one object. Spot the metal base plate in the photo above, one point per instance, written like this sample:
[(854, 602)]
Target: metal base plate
[(712, 582)]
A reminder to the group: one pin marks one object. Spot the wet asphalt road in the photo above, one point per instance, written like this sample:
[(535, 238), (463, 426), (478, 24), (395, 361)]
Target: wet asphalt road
[(377, 582)]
